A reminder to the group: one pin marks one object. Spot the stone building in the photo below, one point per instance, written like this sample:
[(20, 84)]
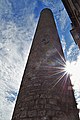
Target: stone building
[(46, 91), (73, 9)]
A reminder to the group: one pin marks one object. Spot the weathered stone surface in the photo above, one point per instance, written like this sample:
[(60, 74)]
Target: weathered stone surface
[(23, 114), (41, 113), (48, 106), (41, 101), (26, 119), (38, 106), (32, 113), (50, 113), (53, 101)]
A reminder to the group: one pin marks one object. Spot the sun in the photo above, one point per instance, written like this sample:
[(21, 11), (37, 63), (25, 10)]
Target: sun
[(72, 69), (69, 68)]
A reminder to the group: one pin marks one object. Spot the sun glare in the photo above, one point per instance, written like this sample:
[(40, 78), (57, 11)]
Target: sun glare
[(69, 68), (72, 69)]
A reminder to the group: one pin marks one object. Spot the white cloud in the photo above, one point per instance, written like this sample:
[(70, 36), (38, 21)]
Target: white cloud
[(15, 43), (72, 52), (63, 43), (63, 19), (12, 55), (5, 8)]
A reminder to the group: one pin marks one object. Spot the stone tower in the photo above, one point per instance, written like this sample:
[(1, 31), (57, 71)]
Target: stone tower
[(45, 92)]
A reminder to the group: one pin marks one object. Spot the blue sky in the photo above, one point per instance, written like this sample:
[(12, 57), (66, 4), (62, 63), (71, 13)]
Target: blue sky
[(18, 21)]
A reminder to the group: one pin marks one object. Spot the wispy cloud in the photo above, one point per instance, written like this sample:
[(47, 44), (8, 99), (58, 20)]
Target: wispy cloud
[(63, 43), (72, 52), (15, 42)]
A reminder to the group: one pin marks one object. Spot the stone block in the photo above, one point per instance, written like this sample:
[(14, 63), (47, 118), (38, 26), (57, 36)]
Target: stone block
[(31, 103), (24, 119), (48, 106), (32, 113), (41, 113), (36, 96), (50, 113), (23, 114), (38, 106), (41, 101), (28, 98), (53, 101), (42, 96)]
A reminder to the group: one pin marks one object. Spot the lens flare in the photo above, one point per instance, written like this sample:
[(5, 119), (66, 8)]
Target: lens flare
[(68, 68)]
